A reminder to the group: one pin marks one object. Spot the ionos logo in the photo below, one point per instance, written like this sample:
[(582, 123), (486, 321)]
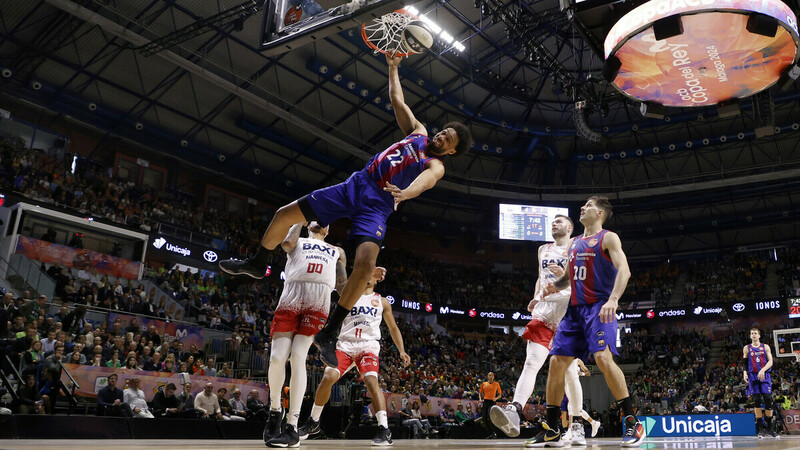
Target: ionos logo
[(717, 425), (672, 313), (158, 243), (769, 304), (493, 315), (410, 305), (738, 307)]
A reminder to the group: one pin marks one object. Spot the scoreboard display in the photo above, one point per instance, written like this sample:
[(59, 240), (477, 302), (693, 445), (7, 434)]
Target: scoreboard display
[(528, 222), (794, 308)]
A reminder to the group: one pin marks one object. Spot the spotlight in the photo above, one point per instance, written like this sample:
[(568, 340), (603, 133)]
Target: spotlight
[(36, 85), (184, 143), (221, 157), (92, 106), (257, 171), (7, 73), (139, 126)]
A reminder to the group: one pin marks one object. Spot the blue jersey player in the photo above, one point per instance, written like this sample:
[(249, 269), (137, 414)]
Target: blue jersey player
[(757, 364), (598, 274), (401, 172)]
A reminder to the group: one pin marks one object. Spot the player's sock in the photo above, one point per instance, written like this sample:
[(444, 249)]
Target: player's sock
[(382, 420), (336, 318), (298, 381), (627, 407), (553, 416), (316, 412), (261, 258)]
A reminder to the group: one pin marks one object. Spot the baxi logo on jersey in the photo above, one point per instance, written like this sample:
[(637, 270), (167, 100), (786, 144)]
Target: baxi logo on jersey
[(366, 310), (322, 248)]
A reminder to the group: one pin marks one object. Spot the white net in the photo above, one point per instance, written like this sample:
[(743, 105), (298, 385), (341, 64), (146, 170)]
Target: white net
[(386, 33)]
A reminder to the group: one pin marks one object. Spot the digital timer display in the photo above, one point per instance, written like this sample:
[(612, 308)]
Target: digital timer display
[(794, 308)]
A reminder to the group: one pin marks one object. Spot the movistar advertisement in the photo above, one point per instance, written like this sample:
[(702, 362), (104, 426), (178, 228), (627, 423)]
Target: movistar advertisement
[(699, 425)]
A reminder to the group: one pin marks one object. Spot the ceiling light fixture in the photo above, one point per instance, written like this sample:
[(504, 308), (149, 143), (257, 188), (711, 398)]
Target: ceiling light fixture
[(436, 29)]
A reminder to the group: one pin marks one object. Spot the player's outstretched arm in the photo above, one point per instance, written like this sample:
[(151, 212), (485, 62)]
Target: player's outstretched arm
[(424, 181), (341, 270), (290, 241), (405, 118), (394, 331)]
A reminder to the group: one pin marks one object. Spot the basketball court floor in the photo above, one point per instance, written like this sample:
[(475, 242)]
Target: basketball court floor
[(785, 443)]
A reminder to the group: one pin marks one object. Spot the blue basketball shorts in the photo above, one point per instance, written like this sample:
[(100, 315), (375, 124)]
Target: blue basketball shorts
[(580, 333)]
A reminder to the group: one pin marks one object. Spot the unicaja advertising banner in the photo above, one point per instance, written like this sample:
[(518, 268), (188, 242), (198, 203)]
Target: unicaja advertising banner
[(700, 425)]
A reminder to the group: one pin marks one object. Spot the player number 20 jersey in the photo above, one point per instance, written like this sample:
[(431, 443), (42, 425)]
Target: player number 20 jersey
[(312, 260), (364, 320)]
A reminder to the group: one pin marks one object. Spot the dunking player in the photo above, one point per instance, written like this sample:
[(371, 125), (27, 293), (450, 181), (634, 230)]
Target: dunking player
[(546, 313), (359, 346), (312, 268), (598, 274), (401, 172), (758, 376)]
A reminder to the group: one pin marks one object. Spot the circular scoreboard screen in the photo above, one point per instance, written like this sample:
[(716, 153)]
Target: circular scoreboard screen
[(714, 50)]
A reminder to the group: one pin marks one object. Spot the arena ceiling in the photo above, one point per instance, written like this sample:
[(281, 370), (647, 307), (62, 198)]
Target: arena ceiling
[(685, 183)]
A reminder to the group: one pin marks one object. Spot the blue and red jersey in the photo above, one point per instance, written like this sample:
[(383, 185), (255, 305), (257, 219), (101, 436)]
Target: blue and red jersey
[(756, 358), (401, 163), (591, 271)]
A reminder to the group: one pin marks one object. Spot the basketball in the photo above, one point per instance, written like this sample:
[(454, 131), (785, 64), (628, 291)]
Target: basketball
[(416, 37)]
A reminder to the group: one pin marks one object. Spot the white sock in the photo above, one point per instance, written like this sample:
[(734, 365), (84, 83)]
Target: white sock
[(281, 347), (316, 412), (537, 354), (298, 381), (573, 389), (382, 420), (586, 416)]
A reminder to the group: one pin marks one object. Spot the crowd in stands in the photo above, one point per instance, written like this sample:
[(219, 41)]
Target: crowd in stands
[(94, 191), (725, 279)]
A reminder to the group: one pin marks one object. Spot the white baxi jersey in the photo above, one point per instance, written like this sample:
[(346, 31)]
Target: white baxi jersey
[(312, 260), (364, 321), (552, 309)]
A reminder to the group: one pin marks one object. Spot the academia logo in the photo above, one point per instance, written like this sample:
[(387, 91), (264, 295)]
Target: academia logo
[(158, 243)]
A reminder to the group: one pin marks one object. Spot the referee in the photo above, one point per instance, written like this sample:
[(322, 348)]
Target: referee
[(489, 394)]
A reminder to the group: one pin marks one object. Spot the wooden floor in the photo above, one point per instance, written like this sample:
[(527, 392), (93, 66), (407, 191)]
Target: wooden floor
[(786, 442)]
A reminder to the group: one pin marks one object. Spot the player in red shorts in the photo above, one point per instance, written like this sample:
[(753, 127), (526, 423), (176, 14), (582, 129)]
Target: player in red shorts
[(312, 269), (359, 346), (546, 313)]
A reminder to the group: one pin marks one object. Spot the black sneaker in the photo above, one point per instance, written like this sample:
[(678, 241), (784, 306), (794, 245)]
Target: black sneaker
[(383, 438), (634, 433), (547, 438), (241, 267), (309, 429), (289, 438), (273, 426), (326, 343)]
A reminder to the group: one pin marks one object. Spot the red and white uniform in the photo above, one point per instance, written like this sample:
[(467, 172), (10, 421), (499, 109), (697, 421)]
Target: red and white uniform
[(310, 279), (548, 313), (359, 338)]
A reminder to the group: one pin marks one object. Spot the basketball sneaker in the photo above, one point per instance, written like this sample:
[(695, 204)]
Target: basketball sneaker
[(288, 438), (595, 427), (506, 418), (566, 436), (634, 433), (383, 438), (578, 434), (241, 267), (273, 425), (309, 429), (547, 438), (326, 343)]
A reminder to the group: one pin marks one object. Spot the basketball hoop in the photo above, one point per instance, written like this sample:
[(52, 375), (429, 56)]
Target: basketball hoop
[(385, 34), (797, 356)]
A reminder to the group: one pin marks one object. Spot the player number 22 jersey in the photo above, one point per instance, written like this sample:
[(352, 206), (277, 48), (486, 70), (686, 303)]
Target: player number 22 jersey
[(312, 260), (364, 320)]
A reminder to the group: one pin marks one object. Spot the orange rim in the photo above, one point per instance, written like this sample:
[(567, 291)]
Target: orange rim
[(374, 47)]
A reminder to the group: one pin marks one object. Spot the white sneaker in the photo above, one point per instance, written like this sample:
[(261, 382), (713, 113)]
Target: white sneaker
[(595, 427), (578, 434), (506, 419), (566, 437)]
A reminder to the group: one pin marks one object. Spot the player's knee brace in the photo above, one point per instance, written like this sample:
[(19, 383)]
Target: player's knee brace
[(767, 400), (757, 400)]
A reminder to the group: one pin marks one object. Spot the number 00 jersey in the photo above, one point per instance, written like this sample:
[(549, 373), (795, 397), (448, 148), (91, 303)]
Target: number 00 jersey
[(312, 260), (364, 321)]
